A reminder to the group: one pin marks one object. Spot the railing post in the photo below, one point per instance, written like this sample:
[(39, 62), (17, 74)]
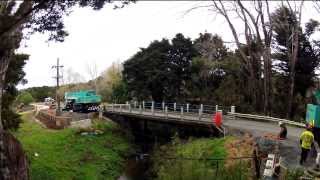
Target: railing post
[(163, 106), (187, 108), (174, 106), (152, 107), (166, 111), (143, 105), (217, 108), (181, 115), (140, 109), (200, 113), (233, 110)]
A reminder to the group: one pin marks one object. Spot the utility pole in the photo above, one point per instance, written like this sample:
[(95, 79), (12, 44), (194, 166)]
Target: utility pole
[(58, 67)]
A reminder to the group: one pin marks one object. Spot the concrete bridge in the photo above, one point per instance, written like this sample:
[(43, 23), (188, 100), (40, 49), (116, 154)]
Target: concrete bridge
[(201, 116)]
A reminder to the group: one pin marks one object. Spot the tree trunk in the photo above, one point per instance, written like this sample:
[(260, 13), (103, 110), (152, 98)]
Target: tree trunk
[(4, 166)]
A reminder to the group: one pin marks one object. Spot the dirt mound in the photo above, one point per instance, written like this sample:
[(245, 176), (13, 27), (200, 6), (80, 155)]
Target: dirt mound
[(16, 158)]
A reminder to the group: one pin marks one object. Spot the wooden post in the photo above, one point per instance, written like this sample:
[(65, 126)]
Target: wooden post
[(140, 109), (181, 115), (174, 106), (152, 107), (143, 105), (100, 113), (217, 108), (187, 108)]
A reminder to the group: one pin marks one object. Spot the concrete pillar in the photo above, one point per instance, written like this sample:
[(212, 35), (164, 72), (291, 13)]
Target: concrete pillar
[(174, 106), (217, 108), (187, 108)]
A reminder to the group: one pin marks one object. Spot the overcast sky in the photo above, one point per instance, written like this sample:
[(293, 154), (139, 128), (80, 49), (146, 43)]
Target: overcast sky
[(105, 36)]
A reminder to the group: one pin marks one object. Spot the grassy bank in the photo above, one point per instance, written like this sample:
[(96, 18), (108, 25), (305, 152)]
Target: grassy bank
[(65, 154), (201, 159)]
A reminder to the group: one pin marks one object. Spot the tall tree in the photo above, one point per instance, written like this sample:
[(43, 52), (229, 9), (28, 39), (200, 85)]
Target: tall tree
[(180, 57), (14, 75), (147, 72), (258, 35), (307, 58)]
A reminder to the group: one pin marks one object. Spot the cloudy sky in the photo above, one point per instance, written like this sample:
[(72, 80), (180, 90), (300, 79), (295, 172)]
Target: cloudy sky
[(106, 36)]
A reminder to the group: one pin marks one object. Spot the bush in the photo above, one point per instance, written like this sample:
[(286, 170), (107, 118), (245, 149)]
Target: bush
[(25, 98)]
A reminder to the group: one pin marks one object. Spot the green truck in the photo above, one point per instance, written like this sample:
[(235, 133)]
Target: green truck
[(82, 101)]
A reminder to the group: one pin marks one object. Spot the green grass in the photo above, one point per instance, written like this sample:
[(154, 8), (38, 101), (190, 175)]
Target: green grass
[(65, 154), (182, 167)]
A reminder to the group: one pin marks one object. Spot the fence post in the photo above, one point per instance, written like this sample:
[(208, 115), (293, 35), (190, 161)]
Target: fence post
[(174, 106), (187, 108), (181, 115), (143, 105), (217, 108), (152, 107), (140, 109), (166, 111)]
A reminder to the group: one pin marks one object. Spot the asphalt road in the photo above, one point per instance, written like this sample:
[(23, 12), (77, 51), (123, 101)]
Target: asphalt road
[(289, 148)]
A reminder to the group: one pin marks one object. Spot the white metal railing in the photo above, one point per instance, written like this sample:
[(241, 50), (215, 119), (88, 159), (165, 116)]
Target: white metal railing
[(185, 111)]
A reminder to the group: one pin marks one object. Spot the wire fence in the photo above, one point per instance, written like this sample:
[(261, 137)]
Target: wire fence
[(240, 168)]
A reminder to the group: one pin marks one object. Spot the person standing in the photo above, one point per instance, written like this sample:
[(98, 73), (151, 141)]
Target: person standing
[(306, 141)]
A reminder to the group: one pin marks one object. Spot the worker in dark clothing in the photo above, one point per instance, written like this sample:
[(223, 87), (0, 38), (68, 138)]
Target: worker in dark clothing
[(283, 132), (306, 141)]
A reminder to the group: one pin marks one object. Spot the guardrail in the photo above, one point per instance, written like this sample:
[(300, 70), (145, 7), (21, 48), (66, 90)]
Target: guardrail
[(266, 118)]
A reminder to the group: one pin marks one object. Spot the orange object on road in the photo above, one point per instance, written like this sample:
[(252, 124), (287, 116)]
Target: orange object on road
[(217, 119)]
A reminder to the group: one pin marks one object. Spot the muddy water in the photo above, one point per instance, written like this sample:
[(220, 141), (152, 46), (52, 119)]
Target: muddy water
[(136, 168)]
